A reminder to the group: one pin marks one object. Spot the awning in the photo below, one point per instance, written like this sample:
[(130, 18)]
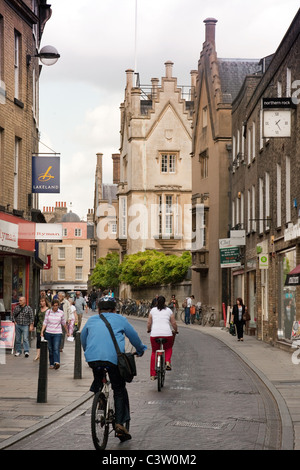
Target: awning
[(293, 277)]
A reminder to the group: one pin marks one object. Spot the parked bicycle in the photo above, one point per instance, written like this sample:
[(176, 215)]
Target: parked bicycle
[(209, 316)]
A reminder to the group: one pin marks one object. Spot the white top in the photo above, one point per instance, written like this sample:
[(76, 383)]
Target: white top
[(161, 322)]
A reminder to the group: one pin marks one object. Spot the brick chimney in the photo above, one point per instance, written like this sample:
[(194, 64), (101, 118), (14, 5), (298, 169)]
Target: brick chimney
[(210, 27), (116, 168)]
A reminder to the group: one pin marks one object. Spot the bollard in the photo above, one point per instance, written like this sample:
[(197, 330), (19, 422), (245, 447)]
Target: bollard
[(43, 373), (77, 357)]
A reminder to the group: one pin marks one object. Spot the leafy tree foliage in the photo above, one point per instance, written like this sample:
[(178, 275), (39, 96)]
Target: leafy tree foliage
[(142, 269), (151, 267), (106, 272)]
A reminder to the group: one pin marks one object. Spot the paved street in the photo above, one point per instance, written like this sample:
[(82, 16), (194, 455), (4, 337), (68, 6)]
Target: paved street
[(211, 400)]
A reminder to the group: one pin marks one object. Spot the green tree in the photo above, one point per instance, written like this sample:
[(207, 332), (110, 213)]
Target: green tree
[(106, 272), (150, 267)]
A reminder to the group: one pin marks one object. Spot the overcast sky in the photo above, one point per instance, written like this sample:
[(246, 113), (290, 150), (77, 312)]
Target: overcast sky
[(80, 95)]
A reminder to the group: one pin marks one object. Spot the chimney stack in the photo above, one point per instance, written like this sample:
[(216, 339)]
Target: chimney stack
[(116, 168), (169, 65), (210, 27)]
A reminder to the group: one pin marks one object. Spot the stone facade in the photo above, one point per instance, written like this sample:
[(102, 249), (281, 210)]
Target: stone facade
[(265, 192), (218, 83), (154, 191)]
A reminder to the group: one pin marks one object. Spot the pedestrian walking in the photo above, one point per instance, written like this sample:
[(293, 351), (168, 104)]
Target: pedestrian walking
[(38, 323), (81, 307), (52, 326), (187, 310), (73, 319), (193, 309), (161, 324), (173, 305), (237, 318), (64, 305), (24, 322)]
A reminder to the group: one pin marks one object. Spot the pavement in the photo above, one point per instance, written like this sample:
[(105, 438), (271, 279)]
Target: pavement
[(21, 414)]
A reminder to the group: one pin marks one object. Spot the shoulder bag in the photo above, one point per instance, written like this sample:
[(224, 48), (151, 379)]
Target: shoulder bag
[(126, 361)]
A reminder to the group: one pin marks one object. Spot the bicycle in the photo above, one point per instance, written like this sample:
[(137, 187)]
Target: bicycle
[(103, 414), (209, 316), (160, 363)]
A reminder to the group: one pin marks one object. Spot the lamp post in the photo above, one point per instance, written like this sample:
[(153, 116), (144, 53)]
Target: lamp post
[(48, 55)]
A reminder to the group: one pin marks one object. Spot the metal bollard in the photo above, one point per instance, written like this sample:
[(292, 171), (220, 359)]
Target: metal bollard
[(77, 357), (43, 373)]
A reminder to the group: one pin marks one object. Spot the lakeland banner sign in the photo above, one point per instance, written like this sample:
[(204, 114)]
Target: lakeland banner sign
[(45, 174)]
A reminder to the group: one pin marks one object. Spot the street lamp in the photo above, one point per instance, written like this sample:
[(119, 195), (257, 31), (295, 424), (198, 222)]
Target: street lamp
[(48, 55)]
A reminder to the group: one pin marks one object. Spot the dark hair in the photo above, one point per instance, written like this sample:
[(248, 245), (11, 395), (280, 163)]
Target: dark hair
[(161, 302), (55, 301), (240, 300)]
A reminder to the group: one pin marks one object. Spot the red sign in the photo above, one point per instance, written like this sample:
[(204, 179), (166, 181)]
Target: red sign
[(48, 265)]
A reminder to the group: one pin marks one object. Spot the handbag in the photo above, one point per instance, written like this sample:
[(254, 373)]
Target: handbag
[(232, 329), (126, 361)]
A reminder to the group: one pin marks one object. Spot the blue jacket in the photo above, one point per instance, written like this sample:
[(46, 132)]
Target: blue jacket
[(97, 342)]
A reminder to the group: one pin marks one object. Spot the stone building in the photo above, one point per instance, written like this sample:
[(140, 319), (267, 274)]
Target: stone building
[(68, 266), (218, 83), (154, 191), (265, 189), (105, 209)]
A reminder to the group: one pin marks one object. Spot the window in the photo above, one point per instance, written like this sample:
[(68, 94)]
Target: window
[(169, 215), (79, 253), (61, 253), (168, 163), (113, 226), (288, 189), (253, 225), (17, 64), (204, 117), (242, 211), (253, 140), (78, 273), (278, 195), (123, 216), (267, 199), (77, 232), (203, 159), (261, 205), (65, 232), (1, 48), (249, 211), (160, 215), (16, 173), (61, 273), (249, 146), (288, 81)]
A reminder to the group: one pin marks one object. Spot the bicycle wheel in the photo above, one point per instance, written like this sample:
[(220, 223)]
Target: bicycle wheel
[(160, 372), (99, 422), (212, 319)]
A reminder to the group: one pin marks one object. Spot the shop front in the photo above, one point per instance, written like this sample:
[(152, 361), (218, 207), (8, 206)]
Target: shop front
[(17, 257), (287, 294)]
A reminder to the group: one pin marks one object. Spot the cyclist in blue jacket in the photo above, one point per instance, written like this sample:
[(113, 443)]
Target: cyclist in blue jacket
[(100, 352)]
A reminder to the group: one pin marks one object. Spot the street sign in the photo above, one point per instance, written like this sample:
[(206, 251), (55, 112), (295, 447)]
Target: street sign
[(263, 261)]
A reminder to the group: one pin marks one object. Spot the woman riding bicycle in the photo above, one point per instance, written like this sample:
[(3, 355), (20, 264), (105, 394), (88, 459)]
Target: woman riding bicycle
[(100, 352), (161, 324)]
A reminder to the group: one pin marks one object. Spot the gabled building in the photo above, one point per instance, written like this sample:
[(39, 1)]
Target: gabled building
[(218, 83), (154, 191)]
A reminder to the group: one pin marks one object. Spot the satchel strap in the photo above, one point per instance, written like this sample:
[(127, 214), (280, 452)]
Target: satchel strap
[(111, 333)]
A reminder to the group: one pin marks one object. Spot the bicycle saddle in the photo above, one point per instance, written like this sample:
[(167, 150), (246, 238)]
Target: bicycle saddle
[(161, 340)]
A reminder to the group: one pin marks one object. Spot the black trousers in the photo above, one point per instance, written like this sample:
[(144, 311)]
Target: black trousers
[(240, 329), (118, 386)]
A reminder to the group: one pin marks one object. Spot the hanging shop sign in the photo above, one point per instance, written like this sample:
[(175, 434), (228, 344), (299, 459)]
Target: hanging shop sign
[(48, 232), (263, 261), (45, 174), (230, 256)]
